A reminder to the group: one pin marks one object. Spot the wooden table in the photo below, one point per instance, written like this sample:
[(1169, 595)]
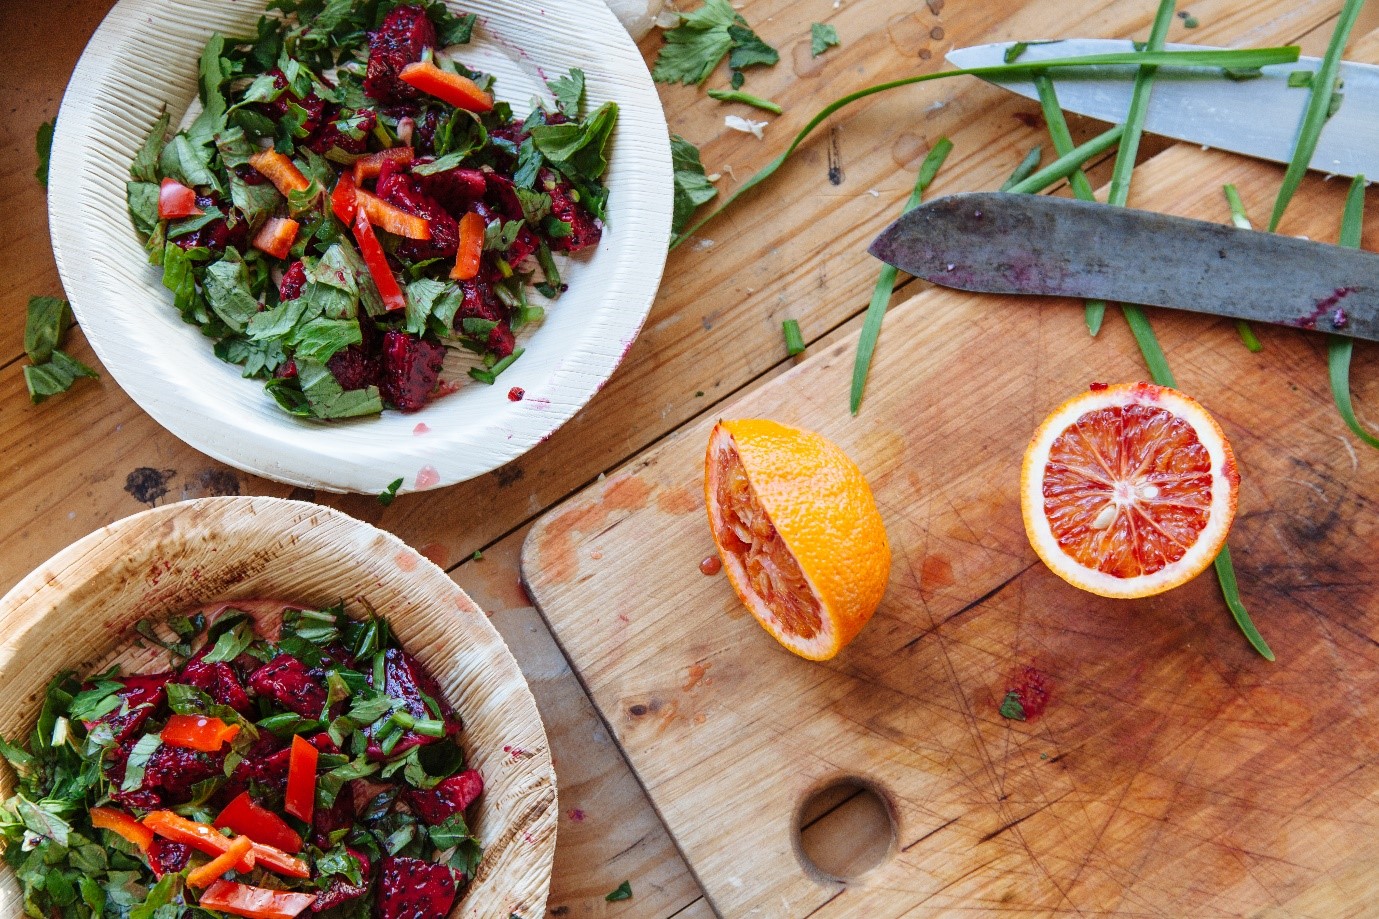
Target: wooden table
[(795, 250)]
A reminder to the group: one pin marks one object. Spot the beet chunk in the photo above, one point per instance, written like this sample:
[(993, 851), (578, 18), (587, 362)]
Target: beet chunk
[(288, 682), (584, 230), (501, 341), (293, 281), (264, 763), (454, 188), (277, 110), (411, 369), (329, 135), (480, 302), (217, 680), (172, 771), (167, 857), (399, 40), (218, 234), (142, 695), (407, 681), (355, 367), (409, 888), (341, 890), (403, 189), (450, 797), (339, 816)]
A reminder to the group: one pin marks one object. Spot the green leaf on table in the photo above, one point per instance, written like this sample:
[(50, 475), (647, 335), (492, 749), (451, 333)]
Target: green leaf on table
[(43, 146), (692, 186), (694, 48), (55, 376), (1011, 707), (748, 51), (43, 327), (623, 892), (822, 36)]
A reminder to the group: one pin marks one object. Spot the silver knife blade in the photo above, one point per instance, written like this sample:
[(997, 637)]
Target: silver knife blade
[(1257, 117), (1037, 244)]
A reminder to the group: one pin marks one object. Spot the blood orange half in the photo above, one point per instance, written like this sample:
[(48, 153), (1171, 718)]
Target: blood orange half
[(799, 533), (1128, 490)]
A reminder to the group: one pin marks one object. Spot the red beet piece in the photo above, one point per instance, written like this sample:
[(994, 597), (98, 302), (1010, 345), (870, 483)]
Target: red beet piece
[(172, 771), (411, 369), (217, 680), (341, 890), (293, 281), (355, 367), (291, 684), (218, 234), (402, 189), (264, 763), (399, 40), (501, 341), (142, 695), (406, 680), (427, 124), (329, 135), (339, 816), (480, 302), (455, 188), (449, 797), (277, 110), (409, 888), (584, 230), (167, 857)]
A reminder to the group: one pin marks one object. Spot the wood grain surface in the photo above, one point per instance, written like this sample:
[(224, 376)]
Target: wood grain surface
[(794, 249), (1174, 772)]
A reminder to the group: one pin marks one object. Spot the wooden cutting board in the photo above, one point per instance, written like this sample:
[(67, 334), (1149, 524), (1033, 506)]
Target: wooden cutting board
[(1173, 773)]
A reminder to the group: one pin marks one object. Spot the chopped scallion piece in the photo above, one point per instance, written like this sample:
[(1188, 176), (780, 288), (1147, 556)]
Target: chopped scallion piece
[(1241, 221), (1341, 347), (794, 341), (736, 95), (1025, 169)]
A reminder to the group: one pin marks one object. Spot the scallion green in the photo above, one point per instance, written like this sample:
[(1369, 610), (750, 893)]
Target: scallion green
[(794, 341), (1340, 348)]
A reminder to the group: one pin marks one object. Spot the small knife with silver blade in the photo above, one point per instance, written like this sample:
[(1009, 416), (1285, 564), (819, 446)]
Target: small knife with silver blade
[(1036, 244), (1257, 117)]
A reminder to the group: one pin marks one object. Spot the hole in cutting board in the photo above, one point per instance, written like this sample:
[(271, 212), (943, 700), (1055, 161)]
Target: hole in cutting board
[(845, 829)]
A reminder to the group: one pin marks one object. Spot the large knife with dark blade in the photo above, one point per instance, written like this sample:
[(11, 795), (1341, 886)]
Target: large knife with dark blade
[(1036, 244)]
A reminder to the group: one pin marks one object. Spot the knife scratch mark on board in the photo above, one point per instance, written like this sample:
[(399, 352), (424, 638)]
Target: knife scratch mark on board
[(835, 158)]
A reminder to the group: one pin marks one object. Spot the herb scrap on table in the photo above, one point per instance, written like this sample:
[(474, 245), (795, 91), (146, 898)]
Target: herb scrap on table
[(622, 892), (50, 371), (704, 37), (387, 495), (822, 36), (43, 147)]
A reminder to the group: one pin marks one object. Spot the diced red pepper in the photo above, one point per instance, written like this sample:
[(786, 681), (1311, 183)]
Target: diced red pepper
[(301, 779), (391, 217), (343, 200), (246, 818), (197, 732), (277, 236), (279, 170), (241, 849), (471, 248), (176, 200), (377, 262), (205, 838), (122, 824), (459, 91), (255, 902), (370, 166)]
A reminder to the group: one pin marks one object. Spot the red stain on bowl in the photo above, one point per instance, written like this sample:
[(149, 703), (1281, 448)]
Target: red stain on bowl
[(406, 560), (421, 428), (427, 477)]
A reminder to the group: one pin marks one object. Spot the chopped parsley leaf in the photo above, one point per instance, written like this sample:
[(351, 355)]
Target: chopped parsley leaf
[(821, 37), (623, 892)]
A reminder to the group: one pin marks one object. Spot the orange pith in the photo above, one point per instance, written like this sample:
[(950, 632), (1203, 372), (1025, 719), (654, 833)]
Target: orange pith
[(771, 570), (1150, 460)]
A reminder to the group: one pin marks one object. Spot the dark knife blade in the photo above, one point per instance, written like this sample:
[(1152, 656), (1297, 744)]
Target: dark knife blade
[(1035, 244)]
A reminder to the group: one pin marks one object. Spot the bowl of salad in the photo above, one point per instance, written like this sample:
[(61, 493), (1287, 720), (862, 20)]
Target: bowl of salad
[(264, 708), (341, 242)]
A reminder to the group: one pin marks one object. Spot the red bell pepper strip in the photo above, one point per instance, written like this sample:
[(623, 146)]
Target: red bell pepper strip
[(277, 236), (459, 91), (377, 262), (301, 778), (241, 849), (122, 824), (246, 818), (255, 902), (197, 732), (343, 200), (370, 166), (390, 217), (471, 248), (205, 838), (279, 170), (176, 200)]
